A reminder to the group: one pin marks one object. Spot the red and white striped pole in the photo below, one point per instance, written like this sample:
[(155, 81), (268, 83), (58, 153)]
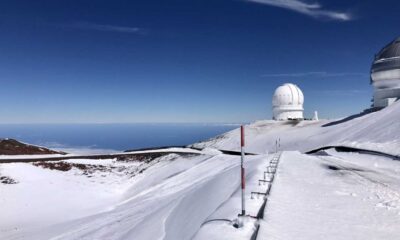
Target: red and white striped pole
[(242, 173)]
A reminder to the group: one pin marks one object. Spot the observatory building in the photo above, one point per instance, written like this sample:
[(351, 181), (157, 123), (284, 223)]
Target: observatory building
[(287, 103), (385, 75)]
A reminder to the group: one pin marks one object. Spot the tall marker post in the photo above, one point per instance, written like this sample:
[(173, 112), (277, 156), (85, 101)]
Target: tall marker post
[(242, 173)]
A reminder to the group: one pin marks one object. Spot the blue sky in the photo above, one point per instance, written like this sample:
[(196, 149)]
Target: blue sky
[(186, 61)]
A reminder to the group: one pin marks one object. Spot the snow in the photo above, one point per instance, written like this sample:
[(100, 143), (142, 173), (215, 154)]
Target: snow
[(336, 195), (161, 198), (374, 131), (111, 153), (224, 230), (40, 196), (172, 149), (311, 201), (230, 209)]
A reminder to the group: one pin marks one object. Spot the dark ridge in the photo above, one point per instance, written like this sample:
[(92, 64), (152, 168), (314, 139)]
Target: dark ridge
[(339, 168), (128, 155), (119, 156), (321, 151), (153, 148), (228, 152), (14, 147), (334, 168)]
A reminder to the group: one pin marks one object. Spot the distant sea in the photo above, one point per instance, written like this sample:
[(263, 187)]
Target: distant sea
[(98, 138)]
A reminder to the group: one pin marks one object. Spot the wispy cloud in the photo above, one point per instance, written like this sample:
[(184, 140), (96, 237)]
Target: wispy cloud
[(311, 9), (313, 74), (105, 27)]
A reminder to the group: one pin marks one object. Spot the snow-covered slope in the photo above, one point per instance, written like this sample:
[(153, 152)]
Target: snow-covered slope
[(108, 199), (191, 194), (377, 131)]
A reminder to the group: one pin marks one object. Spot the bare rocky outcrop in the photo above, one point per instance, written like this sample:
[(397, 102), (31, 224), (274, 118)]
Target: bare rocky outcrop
[(14, 147)]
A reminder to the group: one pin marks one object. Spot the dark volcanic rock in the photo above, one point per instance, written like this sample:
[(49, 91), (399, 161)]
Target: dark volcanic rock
[(87, 169), (13, 147), (7, 180)]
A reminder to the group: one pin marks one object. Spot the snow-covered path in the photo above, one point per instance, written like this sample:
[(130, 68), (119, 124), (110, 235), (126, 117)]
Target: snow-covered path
[(345, 196)]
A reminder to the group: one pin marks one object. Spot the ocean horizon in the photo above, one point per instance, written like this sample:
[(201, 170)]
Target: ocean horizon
[(100, 138)]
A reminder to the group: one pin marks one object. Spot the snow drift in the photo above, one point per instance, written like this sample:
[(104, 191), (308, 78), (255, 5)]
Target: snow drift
[(378, 131)]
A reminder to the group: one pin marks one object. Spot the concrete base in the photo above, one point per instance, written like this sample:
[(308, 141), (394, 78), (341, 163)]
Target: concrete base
[(287, 115)]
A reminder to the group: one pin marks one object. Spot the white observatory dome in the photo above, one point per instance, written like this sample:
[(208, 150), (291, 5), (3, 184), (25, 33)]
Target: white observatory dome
[(287, 102)]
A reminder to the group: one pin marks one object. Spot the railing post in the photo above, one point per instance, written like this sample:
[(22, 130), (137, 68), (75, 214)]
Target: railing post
[(242, 172)]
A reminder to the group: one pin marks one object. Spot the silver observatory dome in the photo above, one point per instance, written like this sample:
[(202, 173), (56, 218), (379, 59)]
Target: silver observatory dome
[(385, 75), (391, 50)]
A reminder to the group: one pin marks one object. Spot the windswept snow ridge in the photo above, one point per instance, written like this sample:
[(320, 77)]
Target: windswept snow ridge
[(378, 131)]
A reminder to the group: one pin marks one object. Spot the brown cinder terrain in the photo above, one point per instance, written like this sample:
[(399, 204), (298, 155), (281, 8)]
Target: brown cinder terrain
[(14, 147)]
